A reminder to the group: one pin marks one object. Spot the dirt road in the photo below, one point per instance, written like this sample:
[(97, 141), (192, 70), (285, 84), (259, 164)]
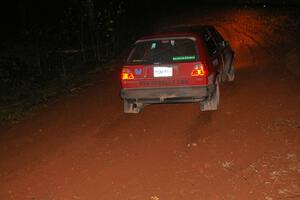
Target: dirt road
[(83, 147)]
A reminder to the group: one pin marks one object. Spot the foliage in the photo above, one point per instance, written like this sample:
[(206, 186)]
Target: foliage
[(46, 61)]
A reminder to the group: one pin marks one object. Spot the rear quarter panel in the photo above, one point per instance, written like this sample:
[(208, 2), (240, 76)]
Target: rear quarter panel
[(206, 60)]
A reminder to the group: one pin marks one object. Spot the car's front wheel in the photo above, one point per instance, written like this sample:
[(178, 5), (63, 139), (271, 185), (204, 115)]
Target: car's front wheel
[(228, 73), (231, 74), (213, 100)]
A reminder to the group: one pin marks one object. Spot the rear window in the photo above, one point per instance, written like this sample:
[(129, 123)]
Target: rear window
[(163, 51)]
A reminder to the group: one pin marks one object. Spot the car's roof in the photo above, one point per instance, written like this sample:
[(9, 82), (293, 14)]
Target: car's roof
[(177, 31), (185, 28), (166, 35)]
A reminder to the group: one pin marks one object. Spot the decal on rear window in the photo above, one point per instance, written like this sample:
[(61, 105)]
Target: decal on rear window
[(153, 46), (182, 58)]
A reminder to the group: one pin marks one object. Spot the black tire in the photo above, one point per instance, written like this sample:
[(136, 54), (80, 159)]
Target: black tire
[(132, 107), (212, 103), (231, 74)]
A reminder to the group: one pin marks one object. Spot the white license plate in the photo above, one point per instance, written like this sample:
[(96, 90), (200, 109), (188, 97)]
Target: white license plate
[(163, 71)]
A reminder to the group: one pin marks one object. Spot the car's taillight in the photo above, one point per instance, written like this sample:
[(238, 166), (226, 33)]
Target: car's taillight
[(126, 74), (198, 71)]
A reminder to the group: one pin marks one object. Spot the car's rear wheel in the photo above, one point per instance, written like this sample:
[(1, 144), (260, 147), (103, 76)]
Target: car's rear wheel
[(231, 74), (213, 100), (132, 107)]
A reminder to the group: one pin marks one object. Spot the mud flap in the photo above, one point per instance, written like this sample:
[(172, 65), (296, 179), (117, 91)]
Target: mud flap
[(132, 107), (213, 100)]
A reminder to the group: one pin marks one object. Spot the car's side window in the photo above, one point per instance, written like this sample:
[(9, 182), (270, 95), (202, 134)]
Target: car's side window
[(217, 36), (210, 44)]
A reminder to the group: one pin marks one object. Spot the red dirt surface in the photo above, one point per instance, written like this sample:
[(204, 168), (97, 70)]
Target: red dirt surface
[(82, 146)]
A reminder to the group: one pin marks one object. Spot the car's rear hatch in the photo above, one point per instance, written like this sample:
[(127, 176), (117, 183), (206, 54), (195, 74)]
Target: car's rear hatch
[(164, 62)]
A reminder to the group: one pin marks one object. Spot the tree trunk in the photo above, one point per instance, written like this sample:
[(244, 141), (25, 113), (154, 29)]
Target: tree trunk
[(90, 11)]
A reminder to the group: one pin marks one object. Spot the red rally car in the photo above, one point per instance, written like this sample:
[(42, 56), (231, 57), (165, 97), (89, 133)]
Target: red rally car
[(181, 64)]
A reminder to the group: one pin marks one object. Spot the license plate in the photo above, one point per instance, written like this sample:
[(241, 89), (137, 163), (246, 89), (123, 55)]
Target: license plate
[(163, 71)]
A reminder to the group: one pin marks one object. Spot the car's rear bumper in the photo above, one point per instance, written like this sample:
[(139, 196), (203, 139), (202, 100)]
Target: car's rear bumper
[(172, 94)]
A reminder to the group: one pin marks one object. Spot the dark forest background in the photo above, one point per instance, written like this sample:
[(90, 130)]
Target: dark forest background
[(49, 46)]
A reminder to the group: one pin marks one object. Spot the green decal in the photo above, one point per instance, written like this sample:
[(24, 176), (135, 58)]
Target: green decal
[(180, 58), (153, 46)]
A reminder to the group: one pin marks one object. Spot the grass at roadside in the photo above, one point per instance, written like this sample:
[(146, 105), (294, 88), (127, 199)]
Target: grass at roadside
[(19, 107)]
